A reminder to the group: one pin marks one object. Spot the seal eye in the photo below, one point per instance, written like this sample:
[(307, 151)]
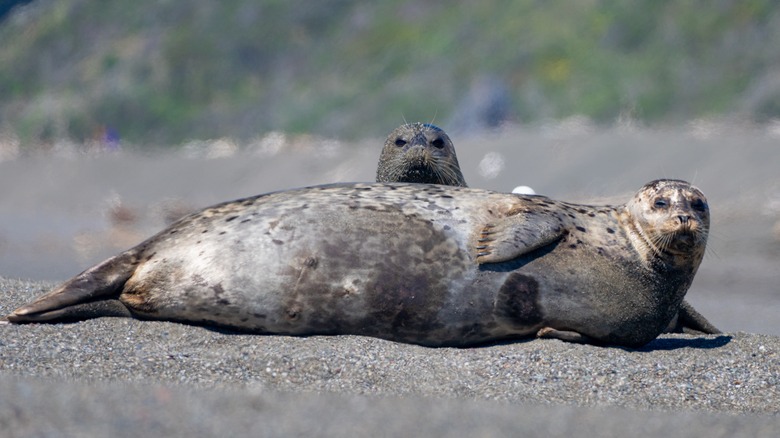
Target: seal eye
[(660, 203), (438, 143), (698, 205), (400, 142)]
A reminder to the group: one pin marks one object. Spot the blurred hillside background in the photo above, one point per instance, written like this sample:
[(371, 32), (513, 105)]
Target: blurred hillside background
[(159, 73)]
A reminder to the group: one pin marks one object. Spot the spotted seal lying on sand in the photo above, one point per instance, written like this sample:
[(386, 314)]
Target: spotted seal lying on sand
[(423, 153), (419, 153), (426, 264)]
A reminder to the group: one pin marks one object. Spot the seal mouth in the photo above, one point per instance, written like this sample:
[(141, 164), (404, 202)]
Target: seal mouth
[(417, 173), (681, 241)]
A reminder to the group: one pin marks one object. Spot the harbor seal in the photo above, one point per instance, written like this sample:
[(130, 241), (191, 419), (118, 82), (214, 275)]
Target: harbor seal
[(426, 264), (419, 153), (422, 153)]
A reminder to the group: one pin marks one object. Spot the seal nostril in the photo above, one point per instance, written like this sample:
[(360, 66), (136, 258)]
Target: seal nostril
[(683, 219)]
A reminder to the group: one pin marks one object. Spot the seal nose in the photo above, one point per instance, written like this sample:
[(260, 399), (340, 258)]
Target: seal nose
[(418, 140), (416, 155), (683, 218)]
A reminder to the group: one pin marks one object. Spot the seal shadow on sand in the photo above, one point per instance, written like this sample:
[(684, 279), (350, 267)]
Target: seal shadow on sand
[(698, 342)]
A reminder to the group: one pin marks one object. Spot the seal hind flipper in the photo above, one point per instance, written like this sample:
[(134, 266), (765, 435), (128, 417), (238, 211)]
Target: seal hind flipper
[(70, 300), (515, 236)]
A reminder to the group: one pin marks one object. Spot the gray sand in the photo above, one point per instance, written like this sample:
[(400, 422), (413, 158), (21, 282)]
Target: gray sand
[(120, 375), (123, 377)]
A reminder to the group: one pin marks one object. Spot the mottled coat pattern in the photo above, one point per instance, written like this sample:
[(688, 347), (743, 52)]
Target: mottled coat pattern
[(427, 264)]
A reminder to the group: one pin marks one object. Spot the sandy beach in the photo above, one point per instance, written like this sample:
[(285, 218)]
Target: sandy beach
[(60, 214), (128, 378)]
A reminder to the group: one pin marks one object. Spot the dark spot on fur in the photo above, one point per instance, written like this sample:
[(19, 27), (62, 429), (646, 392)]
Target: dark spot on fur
[(591, 214), (231, 218), (572, 246), (517, 301), (582, 229), (259, 315), (245, 221), (222, 232), (610, 231), (204, 231), (277, 241), (311, 262), (293, 313)]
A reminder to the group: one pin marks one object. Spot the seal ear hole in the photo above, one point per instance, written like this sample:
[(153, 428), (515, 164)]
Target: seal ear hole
[(438, 143), (400, 142)]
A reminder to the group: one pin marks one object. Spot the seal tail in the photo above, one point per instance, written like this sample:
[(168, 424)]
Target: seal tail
[(84, 296)]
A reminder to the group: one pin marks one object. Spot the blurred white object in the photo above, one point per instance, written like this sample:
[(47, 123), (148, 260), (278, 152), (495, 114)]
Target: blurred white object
[(491, 165), (523, 190)]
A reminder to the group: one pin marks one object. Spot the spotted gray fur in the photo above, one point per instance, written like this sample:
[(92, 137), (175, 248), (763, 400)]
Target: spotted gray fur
[(426, 264)]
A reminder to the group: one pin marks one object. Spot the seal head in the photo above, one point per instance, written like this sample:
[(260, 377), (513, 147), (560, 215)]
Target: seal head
[(419, 153), (669, 220)]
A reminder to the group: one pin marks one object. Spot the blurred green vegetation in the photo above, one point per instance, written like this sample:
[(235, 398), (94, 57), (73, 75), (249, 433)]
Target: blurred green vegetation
[(161, 72)]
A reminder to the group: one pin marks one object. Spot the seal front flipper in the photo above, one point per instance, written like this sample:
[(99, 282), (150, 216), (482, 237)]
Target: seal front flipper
[(689, 321), (75, 299), (515, 235)]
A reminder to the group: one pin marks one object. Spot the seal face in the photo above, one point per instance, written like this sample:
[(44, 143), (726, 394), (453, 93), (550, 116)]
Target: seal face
[(419, 153), (427, 264)]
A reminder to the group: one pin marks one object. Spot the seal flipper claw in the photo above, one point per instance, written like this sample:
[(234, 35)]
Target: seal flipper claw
[(515, 236), (564, 335), (68, 301)]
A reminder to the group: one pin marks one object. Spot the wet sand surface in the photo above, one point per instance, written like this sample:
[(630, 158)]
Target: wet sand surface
[(60, 214)]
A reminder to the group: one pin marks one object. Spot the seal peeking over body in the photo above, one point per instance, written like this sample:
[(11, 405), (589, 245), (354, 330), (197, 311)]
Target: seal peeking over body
[(425, 264), (422, 153), (419, 153)]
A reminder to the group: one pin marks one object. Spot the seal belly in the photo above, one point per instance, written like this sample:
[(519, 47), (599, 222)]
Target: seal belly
[(588, 292)]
